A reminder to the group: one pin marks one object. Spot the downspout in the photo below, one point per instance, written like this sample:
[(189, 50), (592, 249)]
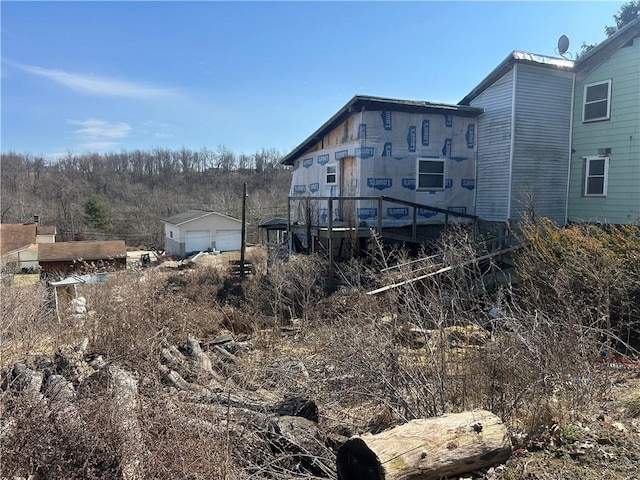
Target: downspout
[(573, 91), (513, 137)]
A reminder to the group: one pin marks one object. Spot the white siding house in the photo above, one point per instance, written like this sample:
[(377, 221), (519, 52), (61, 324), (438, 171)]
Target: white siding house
[(199, 230)]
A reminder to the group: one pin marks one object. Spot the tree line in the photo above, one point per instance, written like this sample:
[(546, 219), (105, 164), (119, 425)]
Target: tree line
[(125, 195)]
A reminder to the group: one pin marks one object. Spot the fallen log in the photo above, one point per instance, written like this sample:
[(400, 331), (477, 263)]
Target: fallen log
[(426, 449), (199, 361), (125, 398)]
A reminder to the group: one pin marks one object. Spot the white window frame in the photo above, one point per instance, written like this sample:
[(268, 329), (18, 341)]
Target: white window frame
[(588, 175), (418, 174), (585, 103), (331, 170)]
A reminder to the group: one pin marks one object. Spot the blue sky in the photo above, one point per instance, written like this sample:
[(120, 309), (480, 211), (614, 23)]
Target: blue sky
[(111, 76)]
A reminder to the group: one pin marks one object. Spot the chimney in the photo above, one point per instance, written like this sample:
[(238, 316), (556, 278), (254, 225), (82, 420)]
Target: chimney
[(36, 219)]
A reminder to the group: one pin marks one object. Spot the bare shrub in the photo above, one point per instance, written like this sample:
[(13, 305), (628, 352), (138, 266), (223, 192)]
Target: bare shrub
[(439, 342), (131, 317), (295, 286), (586, 274), (27, 321), (43, 443)]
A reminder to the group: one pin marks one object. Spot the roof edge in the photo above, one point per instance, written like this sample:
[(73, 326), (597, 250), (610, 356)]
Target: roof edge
[(516, 56), (376, 102), (205, 214)]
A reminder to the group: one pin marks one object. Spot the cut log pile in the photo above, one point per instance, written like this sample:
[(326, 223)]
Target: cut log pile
[(210, 377)]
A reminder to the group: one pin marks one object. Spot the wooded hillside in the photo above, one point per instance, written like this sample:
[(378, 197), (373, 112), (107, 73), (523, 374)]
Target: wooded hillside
[(125, 195)]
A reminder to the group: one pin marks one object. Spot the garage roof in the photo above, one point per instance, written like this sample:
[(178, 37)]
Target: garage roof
[(192, 215)]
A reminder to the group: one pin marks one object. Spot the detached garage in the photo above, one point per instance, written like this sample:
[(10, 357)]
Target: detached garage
[(200, 230)]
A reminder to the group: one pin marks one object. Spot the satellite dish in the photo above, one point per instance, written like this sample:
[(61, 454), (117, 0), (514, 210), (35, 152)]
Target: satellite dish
[(563, 44)]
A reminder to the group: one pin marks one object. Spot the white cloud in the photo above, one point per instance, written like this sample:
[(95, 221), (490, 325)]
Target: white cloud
[(99, 135), (100, 85), (100, 128)]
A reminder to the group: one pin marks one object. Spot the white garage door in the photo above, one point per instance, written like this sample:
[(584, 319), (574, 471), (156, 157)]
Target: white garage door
[(228, 240), (197, 241)]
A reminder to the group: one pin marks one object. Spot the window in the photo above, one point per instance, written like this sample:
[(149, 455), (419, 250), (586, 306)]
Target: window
[(170, 233), (332, 173), (430, 174), (597, 101), (596, 172)]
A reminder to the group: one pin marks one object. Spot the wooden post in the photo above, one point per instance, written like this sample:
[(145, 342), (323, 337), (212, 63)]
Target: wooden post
[(243, 241), (308, 221), (380, 217), (330, 238), (289, 242), (414, 228)]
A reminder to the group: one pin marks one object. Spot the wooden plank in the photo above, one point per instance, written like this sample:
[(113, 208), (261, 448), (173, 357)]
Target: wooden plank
[(441, 270)]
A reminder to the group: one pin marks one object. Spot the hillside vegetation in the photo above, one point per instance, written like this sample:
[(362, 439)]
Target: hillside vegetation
[(126, 195), (555, 356)]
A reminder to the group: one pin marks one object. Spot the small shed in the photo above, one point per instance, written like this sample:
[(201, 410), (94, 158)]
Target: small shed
[(201, 231), (82, 257), (275, 231)]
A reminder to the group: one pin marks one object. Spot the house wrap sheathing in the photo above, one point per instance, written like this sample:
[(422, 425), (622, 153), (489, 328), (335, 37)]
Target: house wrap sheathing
[(414, 151)]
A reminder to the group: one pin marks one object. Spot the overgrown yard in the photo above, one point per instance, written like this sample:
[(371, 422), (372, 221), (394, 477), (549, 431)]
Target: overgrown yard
[(188, 374)]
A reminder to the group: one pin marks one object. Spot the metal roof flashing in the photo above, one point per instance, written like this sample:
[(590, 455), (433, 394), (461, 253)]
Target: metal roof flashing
[(556, 62), (516, 56)]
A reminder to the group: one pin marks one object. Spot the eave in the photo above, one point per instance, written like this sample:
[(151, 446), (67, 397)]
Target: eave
[(360, 103)]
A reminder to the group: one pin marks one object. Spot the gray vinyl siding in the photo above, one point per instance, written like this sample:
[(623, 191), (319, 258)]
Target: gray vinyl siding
[(540, 165), (494, 149)]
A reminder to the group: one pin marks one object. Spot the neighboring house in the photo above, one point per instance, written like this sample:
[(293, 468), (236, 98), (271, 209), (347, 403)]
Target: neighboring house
[(415, 151), (604, 185), (19, 244), (199, 230), (524, 138), (82, 257)]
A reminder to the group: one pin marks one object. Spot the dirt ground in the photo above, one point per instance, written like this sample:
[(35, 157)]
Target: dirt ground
[(605, 444)]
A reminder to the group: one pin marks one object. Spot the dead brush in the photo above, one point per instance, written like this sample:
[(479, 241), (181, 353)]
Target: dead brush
[(39, 443), (131, 319), (444, 344), (28, 324)]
